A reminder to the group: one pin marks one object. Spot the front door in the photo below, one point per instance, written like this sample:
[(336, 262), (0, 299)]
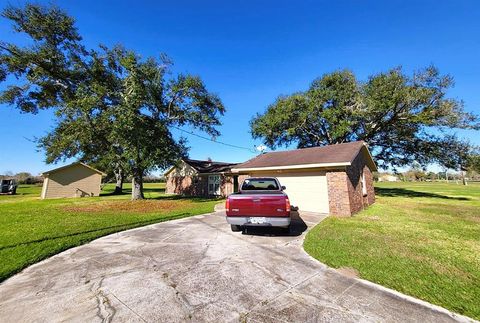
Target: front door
[(213, 184)]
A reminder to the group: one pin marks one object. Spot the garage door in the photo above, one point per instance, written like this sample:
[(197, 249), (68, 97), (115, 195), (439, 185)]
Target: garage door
[(307, 191)]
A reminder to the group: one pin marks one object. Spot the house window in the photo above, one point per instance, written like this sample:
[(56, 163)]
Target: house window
[(214, 185), (364, 185)]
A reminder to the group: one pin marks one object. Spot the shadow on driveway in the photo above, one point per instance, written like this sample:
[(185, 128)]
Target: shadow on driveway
[(297, 227)]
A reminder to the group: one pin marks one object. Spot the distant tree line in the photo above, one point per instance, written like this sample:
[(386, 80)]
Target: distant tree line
[(23, 177), (28, 178), (417, 175)]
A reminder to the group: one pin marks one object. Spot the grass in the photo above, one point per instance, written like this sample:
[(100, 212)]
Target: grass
[(422, 239), (32, 229)]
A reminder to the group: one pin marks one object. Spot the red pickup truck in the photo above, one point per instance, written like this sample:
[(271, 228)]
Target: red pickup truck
[(260, 202)]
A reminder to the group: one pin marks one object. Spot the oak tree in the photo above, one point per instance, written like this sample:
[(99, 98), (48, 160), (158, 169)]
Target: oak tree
[(402, 118)]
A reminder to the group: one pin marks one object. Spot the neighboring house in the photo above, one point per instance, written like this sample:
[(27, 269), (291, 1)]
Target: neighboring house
[(334, 179), (387, 178), (74, 180), (201, 178)]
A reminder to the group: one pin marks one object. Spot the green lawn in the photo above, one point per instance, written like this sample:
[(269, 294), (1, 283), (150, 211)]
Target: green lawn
[(32, 229), (422, 239)]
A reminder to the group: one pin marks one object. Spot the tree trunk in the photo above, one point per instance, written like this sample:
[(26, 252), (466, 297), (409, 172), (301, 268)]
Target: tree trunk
[(137, 186), (464, 181), (119, 177)]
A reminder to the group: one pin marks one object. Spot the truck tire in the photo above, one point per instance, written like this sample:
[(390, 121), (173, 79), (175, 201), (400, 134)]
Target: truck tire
[(236, 228)]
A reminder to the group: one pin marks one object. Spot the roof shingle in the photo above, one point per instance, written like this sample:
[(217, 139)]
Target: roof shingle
[(70, 165), (332, 154), (205, 166)]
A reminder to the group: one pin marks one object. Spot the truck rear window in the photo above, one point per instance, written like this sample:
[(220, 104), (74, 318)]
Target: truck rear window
[(259, 184)]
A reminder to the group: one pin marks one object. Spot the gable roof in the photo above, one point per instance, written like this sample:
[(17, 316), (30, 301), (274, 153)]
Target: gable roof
[(206, 166), (325, 156), (68, 166)]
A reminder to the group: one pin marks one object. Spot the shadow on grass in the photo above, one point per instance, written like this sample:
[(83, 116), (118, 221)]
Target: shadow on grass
[(120, 227), (163, 196), (174, 197), (402, 192), (112, 193), (129, 191)]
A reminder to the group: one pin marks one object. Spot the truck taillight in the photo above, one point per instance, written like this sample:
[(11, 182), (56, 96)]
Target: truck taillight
[(287, 205), (227, 205)]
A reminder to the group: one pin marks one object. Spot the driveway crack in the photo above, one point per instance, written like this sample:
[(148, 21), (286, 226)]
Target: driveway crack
[(280, 294), (129, 308), (188, 309), (105, 310)]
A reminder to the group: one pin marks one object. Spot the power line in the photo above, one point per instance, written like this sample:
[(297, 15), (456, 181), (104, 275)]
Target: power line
[(215, 141)]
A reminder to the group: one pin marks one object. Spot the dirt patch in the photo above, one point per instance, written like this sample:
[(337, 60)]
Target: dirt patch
[(349, 272), (143, 206)]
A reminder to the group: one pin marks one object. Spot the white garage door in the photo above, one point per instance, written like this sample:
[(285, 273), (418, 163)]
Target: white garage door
[(307, 191)]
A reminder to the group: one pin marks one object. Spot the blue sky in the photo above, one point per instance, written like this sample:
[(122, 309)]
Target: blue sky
[(249, 52)]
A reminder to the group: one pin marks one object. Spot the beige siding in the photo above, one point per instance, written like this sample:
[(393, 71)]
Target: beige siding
[(306, 190), (74, 181), (44, 188)]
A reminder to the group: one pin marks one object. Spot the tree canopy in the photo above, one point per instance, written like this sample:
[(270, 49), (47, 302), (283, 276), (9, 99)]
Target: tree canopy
[(473, 162), (112, 106), (402, 118)]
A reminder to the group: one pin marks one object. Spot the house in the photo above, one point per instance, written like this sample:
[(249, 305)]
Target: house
[(74, 180), (201, 178), (334, 179)]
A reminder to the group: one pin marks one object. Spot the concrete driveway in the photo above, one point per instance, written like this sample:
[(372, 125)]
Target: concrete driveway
[(197, 269)]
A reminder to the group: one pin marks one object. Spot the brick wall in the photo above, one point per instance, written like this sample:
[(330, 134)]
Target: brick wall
[(338, 197), (183, 185), (196, 185), (370, 198), (226, 185), (358, 200), (355, 189), (345, 190)]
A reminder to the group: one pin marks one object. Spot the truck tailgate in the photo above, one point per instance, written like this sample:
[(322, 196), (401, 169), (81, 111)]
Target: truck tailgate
[(257, 205)]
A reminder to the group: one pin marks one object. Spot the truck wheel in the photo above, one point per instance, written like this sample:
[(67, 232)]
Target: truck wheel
[(236, 228)]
